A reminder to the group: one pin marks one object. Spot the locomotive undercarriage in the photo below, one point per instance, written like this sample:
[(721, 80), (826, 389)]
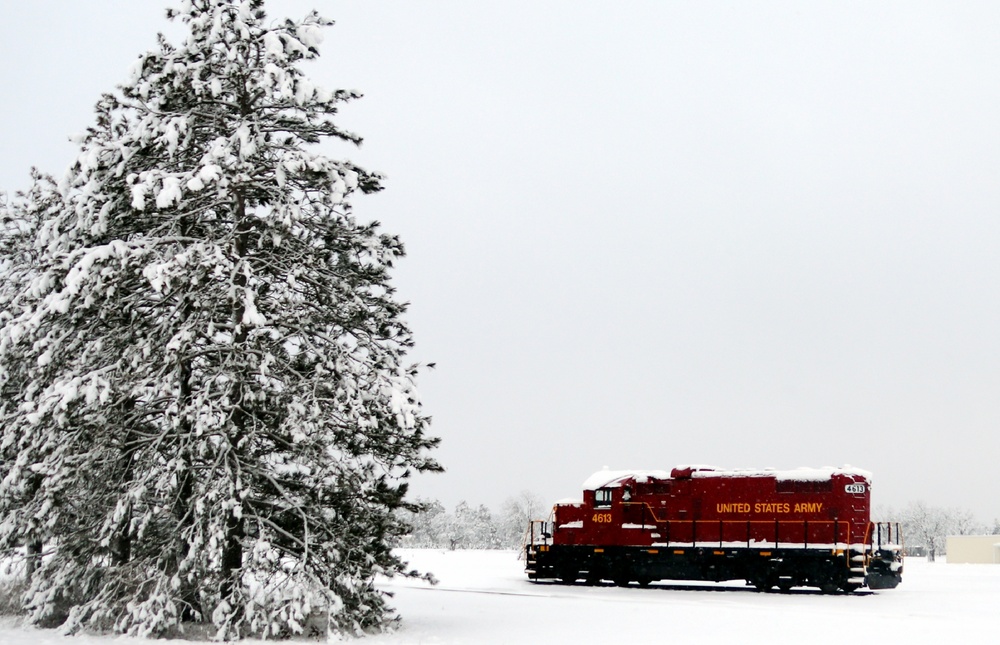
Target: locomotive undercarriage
[(830, 570)]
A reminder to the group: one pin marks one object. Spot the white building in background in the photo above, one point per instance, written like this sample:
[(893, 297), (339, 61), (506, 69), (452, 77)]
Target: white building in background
[(973, 549)]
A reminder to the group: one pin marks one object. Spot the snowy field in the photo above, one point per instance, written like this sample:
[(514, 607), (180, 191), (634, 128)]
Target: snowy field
[(484, 599)]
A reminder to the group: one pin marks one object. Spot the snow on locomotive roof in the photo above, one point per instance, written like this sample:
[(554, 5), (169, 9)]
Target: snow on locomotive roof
[(798, 474), (613, 478)]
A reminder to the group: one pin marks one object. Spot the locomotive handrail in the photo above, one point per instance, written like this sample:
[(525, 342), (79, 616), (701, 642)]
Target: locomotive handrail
[(877, 526), (543, 537), (835, 526)]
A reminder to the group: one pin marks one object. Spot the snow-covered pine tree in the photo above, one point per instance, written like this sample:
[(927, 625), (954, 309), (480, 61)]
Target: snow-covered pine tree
[(213, 419)]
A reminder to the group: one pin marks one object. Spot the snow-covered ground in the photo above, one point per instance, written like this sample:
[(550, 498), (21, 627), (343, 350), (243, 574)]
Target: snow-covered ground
[(483, 598)]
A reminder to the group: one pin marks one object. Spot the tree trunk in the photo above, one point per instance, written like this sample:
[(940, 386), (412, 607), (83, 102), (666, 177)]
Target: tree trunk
[(232, 550), (34, 558), (121, 540), (33, 547), (185, 491)]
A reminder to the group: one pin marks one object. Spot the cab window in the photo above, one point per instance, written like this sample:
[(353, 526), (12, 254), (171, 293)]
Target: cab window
[(602, 497)]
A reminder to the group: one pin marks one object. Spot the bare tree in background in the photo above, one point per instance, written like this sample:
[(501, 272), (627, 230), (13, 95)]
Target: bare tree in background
[(516, 512), (929, 526)]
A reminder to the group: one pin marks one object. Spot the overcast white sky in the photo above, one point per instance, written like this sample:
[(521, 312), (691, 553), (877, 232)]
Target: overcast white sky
[(647, 233)]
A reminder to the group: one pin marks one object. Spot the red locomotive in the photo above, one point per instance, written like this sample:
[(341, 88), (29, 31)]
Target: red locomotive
[(805, 527)]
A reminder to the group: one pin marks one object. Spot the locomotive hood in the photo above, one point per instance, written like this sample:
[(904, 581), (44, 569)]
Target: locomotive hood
[(616, 478)]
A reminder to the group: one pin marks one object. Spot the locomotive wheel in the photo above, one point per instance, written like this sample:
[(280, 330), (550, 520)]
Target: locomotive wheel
[(644, 581), (829, 587), (621, 575), (762, 583), (568, 576)]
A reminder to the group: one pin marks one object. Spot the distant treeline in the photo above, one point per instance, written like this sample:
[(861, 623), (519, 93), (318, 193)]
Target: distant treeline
[(472, 527)]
